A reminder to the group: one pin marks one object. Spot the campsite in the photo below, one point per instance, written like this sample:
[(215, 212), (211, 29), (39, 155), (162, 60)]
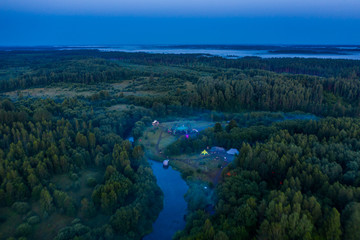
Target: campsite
[(206, 165)]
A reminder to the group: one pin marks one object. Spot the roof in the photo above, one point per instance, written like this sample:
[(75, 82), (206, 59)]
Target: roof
[(182, 128), (217, 149), (131, 139), (233, 151)]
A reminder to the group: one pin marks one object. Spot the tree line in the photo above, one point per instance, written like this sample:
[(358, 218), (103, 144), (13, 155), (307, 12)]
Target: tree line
[(300, 182)]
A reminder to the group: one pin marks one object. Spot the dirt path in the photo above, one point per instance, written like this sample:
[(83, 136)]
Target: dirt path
[(158, 142), (218, 174)]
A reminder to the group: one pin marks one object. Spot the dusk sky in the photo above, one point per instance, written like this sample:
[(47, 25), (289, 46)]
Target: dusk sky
[(95, 22)]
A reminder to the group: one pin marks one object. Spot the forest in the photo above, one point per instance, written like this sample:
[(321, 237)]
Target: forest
[(290, 181), (40, 139), (68, 170)]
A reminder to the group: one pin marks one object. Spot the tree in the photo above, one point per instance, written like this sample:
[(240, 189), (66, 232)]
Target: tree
[(232, 124), (87, 208), (208, 230), (92, 140), (332, 226), (351, 219), (81, 140), (218, 128), (46, 201), (221, 236)]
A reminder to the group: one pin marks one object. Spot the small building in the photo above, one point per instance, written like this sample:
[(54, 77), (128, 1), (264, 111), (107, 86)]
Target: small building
[(155, 123), (232, 151), (166, 163), (204, 153), (217, 150)]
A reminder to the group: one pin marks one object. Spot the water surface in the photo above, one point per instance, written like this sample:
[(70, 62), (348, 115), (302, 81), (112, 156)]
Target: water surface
[(171, 218), (239, 51)]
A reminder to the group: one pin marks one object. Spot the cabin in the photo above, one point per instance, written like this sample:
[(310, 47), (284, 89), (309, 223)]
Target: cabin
[(217, 150), (233, 151), (155, 123)]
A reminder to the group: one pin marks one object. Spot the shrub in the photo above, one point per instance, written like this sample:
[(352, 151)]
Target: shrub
[(33, 220), (91, 182), (23, 230), (21, 207)]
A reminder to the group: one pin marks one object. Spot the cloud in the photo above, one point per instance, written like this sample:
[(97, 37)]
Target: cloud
[(203, 8)]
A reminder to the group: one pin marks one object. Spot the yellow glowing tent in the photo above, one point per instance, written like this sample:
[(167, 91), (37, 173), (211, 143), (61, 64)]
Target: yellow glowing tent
[(204, 152)]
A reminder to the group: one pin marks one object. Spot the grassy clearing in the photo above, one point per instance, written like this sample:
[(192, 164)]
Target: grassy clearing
[(121, 85), (205, 168), (50, 227), (166, 140), (62, 90), (197, 124), (76, 185), (123, 107), (133, 88), (49, 92)]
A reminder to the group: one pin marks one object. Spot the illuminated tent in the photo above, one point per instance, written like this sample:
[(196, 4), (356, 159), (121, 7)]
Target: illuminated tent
[(204, 152), (232, 151), (166, 163)]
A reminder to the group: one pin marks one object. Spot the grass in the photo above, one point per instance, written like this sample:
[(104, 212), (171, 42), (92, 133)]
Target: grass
[(50, 227), (78, 189), (49, 92), (166, 140), (123, 107)]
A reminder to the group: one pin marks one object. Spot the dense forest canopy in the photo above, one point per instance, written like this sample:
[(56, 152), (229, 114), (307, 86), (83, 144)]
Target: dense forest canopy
[(321, 86), (65, 158), (302, 182), (40, 139)]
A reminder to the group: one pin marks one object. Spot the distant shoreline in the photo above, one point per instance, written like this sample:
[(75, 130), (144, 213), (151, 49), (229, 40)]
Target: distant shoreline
[(351, 52)]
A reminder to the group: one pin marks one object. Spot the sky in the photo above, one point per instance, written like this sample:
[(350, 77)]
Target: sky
[(99, 22)]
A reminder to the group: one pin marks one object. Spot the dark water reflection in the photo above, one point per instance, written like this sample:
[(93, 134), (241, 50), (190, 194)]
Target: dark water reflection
[(171, 218)]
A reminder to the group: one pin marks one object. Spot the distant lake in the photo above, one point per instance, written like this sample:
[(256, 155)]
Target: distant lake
[(227, 51), (239, 51)]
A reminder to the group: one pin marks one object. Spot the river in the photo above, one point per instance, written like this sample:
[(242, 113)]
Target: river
[(171, 218)]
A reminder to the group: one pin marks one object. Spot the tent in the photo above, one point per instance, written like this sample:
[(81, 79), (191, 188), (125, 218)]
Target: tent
[(166, 163), (204, 152), (232, 151)]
